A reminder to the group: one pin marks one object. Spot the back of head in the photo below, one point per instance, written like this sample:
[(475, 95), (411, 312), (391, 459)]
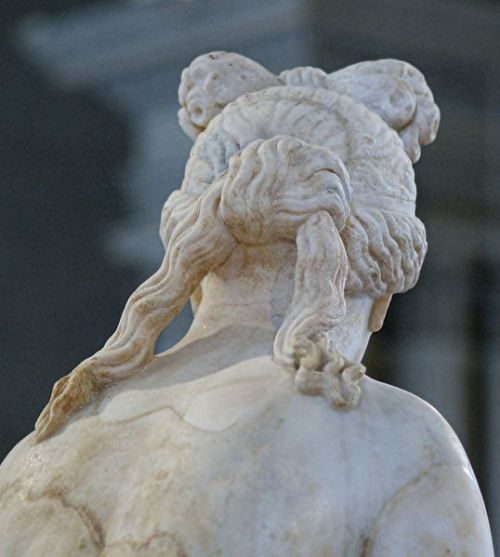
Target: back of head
[(271, 162)]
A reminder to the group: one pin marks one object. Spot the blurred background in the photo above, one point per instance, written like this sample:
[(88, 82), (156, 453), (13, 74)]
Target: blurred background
[(90, 148)]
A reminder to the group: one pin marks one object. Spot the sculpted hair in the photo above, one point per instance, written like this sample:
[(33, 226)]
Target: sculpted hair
[(386, 251), (393, 89), (286, 163), (384, 240)]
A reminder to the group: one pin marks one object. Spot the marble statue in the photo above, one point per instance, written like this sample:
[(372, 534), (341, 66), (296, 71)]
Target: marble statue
[(260, 434)]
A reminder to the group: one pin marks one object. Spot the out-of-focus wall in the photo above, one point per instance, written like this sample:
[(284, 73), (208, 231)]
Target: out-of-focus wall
[(92, 149)]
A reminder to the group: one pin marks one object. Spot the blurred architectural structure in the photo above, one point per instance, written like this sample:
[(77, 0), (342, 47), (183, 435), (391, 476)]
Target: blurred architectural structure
[(132, 55), (442, 339)]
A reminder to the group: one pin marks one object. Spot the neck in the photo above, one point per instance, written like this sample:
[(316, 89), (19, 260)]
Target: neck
[(254, 288)]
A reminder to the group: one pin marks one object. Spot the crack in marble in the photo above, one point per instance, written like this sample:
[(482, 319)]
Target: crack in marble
[(136, 545), (88, 517)]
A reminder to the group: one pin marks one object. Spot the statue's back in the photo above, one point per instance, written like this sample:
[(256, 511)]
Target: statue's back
[(237, 462)]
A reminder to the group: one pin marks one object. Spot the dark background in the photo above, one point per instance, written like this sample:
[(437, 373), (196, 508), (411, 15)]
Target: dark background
[(90, 148)]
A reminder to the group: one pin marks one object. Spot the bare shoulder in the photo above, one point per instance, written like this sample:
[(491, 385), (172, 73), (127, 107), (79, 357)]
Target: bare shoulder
[(439, 510), (413, 420)]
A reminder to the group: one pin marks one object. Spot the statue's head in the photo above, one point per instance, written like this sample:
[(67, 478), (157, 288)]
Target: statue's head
[(299, 164), (330, 174)]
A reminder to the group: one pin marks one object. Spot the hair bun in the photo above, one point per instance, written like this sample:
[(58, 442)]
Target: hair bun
[(272, 186)]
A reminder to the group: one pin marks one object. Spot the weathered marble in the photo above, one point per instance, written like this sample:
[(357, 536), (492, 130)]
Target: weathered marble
[(259, 434)]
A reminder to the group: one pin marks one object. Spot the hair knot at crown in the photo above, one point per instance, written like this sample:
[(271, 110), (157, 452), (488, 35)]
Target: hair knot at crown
[(274, 185)]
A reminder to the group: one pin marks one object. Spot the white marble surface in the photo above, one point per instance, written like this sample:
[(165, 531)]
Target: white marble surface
[(238, 463), (259, 434)]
